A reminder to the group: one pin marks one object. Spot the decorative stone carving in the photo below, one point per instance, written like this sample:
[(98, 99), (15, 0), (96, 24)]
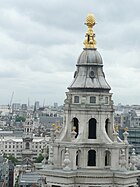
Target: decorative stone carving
[(123, 161), (125, 134), (45, 154), (57, 132), (115, 137), (67, 161), (133, 160)]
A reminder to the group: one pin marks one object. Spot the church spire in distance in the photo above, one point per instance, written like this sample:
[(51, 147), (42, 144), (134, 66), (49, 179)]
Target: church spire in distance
[(90, 42)]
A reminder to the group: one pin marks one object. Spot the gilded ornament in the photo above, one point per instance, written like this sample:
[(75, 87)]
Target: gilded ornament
[(90, 41)]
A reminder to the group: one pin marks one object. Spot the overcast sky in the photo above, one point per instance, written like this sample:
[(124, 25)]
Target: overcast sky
[(40, 41)]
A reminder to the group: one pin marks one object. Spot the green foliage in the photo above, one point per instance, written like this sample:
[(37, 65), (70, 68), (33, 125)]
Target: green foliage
[(12, 158), (39, 158), (5, 155), (20, 118)]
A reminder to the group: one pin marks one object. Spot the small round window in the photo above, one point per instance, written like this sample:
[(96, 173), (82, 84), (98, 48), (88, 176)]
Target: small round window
[(91, 74)]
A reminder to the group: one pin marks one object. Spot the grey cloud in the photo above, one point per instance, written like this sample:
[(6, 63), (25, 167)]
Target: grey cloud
[(40, 42)]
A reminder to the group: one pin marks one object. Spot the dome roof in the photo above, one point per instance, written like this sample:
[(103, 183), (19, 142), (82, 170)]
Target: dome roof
[(89, 56)]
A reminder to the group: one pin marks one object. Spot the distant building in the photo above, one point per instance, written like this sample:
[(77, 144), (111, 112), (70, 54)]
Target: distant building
[(30, 179), (24, 107), (55, 105), (16, 107), (133, 138), (36, 106), (4, 109), (4, 171), (24, 146), (11, 174)]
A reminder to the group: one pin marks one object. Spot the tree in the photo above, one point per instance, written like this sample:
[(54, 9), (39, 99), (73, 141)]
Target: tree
[(13, 159), (20, 118), (39, 158)]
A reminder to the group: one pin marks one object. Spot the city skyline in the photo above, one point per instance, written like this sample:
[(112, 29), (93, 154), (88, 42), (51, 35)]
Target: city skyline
[(40, 41)]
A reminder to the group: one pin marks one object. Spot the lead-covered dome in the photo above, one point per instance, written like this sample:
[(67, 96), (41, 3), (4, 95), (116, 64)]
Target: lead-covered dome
[(89, 76), (90, 56)]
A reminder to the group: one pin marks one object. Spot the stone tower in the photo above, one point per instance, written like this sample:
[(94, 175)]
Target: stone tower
[(86, 151), (27, 152)]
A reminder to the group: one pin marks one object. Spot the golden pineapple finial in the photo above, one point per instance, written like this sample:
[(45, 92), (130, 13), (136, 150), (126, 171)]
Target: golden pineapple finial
[(90, 41)]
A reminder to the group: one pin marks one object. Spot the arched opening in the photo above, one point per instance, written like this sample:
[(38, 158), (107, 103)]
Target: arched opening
[(107, 126), (78, 158), (92, 129), (27, 145), (107, 158), (91, 158), (76, 126)]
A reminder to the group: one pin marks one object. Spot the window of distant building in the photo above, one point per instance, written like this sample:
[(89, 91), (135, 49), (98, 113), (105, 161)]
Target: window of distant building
[(92, 99), (27, 145), (76, 99)]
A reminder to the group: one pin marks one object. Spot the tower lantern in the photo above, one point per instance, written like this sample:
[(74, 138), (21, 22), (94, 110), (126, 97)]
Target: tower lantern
[(87, 151)]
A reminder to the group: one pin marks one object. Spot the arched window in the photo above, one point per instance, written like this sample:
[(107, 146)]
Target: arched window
[(107, 158), (107, 126), (27, 145), (78, 158), (76, 99), (91, 158), (92, 129), (76, 125)]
